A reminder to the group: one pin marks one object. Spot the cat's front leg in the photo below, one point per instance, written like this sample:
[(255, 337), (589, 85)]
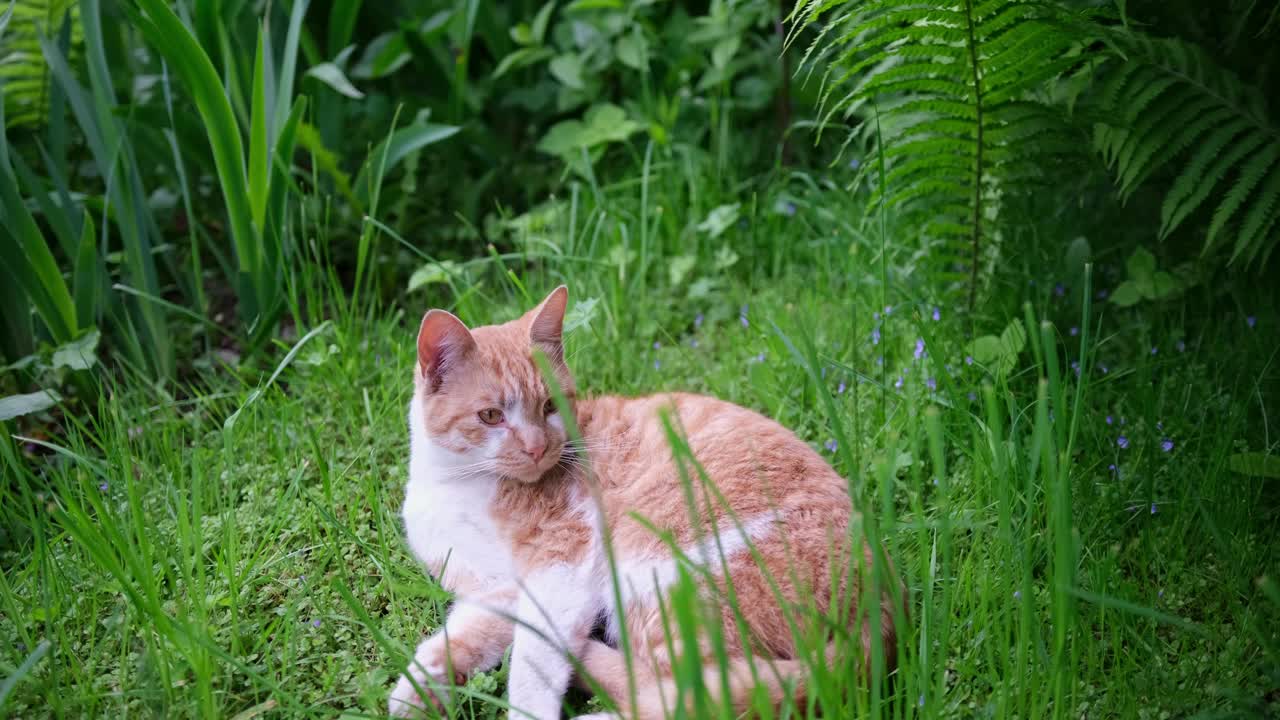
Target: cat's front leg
[(556, 610), (474, 638)]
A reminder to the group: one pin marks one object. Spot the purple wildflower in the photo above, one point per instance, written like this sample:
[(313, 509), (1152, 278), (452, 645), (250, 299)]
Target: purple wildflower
[(1017, 594), (972, 396), (840, 388), (760, 357), (657, 364), (1181, 346), (697, 320), (898, 383), (920, 701), (937, 314), (1112, 467), (1154, 349), (1102, 294), (1166, 445), (1074, 331), (854, 164), (1123, 442), (693, 342), (1075, 365), (103, 487), (315, 623), (789, 208), (919, 353), (875, 316), (875, 336), (657, 345), (1154, 509), (742, 316), (1110, 420), (831, 445), (1104, 369), (1251, 321), (931, 383), (968, 359), (1059, 290), (888, 309)]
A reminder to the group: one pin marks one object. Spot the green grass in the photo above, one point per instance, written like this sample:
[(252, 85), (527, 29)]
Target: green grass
[(159, 560)]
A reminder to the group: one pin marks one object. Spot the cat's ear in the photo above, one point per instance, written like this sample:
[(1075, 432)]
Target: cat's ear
[(546, 323), (443, 342)]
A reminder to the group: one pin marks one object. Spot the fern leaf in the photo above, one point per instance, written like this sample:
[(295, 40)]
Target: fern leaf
[(1258, 220), (1215, 173), (1193, 174), (23, 71), (1250, 175)]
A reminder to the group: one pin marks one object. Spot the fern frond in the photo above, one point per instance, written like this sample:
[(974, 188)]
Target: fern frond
[(956, 88), (23, 71), (1169, 107)]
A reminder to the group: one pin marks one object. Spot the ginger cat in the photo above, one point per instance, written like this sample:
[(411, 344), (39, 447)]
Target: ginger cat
[(500, 508)]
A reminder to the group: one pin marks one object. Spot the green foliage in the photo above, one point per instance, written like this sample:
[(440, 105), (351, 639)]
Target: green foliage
[(1145, 282), (957, 93), (1167, 106), (25, 76)]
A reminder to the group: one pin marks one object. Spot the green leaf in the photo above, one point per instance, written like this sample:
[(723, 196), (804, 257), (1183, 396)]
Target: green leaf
[(1164, 285), (567, 69), (723, 51), (1141, 265), (79, 354), (581, 314), (522, 58), (401, 143), (332, 75), (1126, 294), (14, 406), (679, 266), (986, 349), (633, 50), (720, 219), (433, 272), (725, 258), (85, 275), (1255, 464)]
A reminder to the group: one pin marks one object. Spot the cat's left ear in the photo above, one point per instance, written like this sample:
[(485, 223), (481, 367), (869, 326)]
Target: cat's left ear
[(546, 324)]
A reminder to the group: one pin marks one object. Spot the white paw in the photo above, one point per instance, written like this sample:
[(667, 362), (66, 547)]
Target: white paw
[(406, 701)]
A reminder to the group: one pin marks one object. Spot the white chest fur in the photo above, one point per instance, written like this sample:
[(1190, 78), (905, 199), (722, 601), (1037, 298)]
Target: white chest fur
[(446, 512)]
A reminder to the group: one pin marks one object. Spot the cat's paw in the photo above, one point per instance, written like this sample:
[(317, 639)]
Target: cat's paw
[(406, 701)]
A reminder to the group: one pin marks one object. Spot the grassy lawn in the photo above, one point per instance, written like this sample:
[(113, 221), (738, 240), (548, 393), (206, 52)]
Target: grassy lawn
[(1062, 507)]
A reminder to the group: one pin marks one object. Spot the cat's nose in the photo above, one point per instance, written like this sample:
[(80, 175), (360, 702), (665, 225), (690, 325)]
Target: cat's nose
[(536, 449)]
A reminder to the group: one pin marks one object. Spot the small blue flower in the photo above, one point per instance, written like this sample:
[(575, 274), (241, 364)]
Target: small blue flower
[(1075, 365), (1181, 346), (823, 373), (1104, 369), (693, 342), (1159, 424), (875, 336), (854, 164), (760, 357), (103, 487), (831, 445), (888, 309), (972, 396), (937, 314), (1123, 442), (697, 320), (898, 383), (920, 701), (789, 208), (919, 353), (742, 316), (1017, 594), (315, 623), (1102, 294), (1166, 445), (968, 359), (1154, 510), (931, 384), (840, 388), (875, 316), (1251, 321), (657, 364), (1074, 331), (1110, 420), (1059, 290), (1112, 467), (1154, 349), (657, 345)]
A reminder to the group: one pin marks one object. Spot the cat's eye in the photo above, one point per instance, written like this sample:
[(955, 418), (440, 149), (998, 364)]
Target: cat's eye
[(490, 416), (549, 407)]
